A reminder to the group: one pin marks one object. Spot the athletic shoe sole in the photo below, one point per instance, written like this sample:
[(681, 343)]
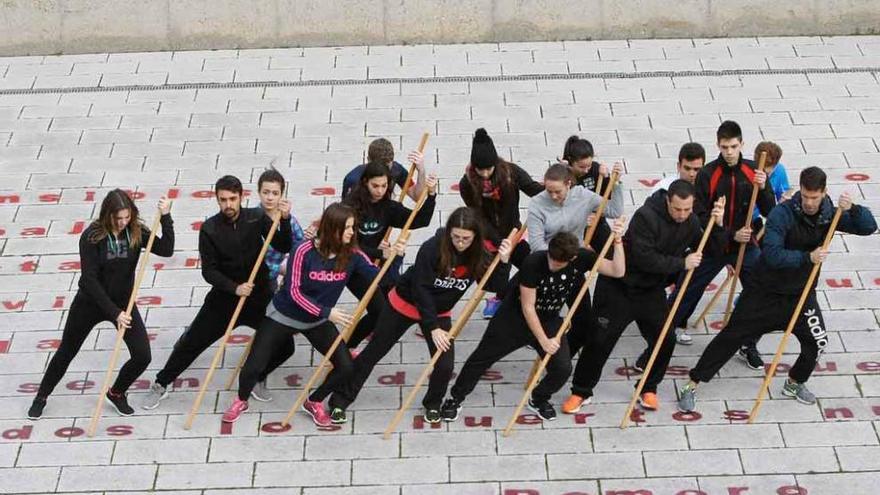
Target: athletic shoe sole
[(117, 409)]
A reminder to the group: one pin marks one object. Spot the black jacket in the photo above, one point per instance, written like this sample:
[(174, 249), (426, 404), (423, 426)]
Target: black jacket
[(784, 264), (229, 249), (718, 179), (502, 215), (387, 213), (656, 245), (107, 277), (430, 293)]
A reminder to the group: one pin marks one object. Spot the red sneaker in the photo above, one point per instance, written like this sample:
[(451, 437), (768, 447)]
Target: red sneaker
[(238, 406), (317, 412)]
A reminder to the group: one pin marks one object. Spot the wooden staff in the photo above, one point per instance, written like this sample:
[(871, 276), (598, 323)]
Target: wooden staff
[(231, 326), (120, 330), (409, 178), (563, 329), (515, 236), (599, 184), (687, 279), (761, 233), (588, 236), (714, 300), (794, 318), (361, 307), (601, 210), (742, 247)]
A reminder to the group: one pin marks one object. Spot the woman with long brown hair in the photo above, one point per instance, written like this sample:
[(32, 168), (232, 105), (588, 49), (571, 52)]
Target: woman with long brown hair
[(491, 186), (444, 268), (109, 250), (317, 272)]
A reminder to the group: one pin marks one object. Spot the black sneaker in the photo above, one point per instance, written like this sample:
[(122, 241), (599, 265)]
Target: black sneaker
[(450, 409), (337, 416), (433, 416), (544, 410), (751, 357), (120, 403), (36, 410)]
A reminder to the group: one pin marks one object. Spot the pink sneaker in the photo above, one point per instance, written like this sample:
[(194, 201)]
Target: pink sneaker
[(238, 406), (317, 412)]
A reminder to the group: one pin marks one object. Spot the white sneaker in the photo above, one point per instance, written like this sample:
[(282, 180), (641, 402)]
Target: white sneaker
[(154, 396), (261, 392), (682, 337)]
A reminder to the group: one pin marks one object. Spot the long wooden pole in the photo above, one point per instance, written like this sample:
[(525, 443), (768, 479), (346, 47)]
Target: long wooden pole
[(231, 326), (361, 307), (742, 247), (470, 307), (714, 300), (120, 330), (409, 178), (771, 371), (661, 339), (563, 329), (588, 237), (601, 210)]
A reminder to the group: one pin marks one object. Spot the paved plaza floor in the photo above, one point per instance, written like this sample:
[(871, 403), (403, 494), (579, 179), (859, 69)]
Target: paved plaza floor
[(73, 127)]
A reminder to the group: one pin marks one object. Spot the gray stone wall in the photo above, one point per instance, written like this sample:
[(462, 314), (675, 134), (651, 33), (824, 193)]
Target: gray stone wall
[(82, 26)]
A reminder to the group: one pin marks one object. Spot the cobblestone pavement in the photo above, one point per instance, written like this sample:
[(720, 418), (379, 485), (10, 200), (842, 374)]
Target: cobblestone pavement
[(72, 127)]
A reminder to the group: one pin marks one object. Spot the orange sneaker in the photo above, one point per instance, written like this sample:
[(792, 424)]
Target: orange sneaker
[(648, 400), (573, 403)]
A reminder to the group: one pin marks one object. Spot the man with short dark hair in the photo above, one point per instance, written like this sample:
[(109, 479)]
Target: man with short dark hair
[(529, 315), (659, 245), (691, 158), (229, 245), (793, 241), (733, 177)]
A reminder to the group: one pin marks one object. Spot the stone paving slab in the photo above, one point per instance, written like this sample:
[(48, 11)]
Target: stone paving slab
[(74, 127)]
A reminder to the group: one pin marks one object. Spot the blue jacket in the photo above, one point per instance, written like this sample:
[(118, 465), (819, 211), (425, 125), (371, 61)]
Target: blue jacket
[(312, 286), (783, 267)]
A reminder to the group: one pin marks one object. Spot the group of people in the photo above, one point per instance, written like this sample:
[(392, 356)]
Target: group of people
[(298, 286)]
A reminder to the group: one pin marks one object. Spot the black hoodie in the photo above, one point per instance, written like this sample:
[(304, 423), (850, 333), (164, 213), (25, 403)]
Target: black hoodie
[(430, 293), (108, 266), (656, 245), (500, 211)]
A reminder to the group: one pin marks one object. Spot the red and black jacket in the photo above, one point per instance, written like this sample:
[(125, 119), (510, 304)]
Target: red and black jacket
[(719, 179)]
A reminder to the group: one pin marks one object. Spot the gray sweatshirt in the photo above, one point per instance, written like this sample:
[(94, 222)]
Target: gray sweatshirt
[(546, 217)]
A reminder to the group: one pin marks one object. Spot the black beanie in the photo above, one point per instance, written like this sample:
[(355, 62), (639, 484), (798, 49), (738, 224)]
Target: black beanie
[(483, 154)]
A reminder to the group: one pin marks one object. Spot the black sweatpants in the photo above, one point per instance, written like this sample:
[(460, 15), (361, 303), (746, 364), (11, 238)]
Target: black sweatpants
[(83, 316), (507, 332), (208, 326), (615, 307), (391, 327), (265, 356), (759, 312), (581, 336), (358, 285)]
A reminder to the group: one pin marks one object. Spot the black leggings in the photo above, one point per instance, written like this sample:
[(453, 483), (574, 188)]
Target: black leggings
[(358, 285), (82, 318), (208, 326), (274, 344), (392, 325), (507, 332)]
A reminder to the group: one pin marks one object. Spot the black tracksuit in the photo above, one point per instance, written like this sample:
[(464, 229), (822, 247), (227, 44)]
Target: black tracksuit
[(767, 302), (228, 250), (105, 285), (656, 246), (500, 212), (735, 183), (372, 224), (421, 296), (509, 331)]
